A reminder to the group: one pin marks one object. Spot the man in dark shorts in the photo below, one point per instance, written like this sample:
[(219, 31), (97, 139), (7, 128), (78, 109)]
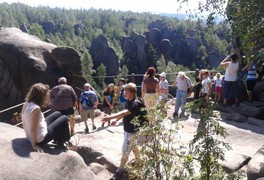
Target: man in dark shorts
[(230, 89)]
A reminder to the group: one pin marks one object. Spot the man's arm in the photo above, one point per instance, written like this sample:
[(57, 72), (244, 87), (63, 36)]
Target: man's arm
[(175, 83), (96, 104), (117, 116), (245, 68), (74, 98), (224, 62), (143, 90)]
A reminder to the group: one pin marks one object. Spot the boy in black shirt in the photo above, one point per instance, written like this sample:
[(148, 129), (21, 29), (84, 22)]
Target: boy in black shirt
[(133, 109)]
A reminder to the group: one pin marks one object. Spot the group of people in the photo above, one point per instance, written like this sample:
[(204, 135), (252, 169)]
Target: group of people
[(40, 130), (63, 102), (226, 86)]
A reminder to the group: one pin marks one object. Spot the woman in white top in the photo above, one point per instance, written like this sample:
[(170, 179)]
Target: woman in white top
[(40, 130), (163, 87), (230, 87), (206, 85), (218, 86)]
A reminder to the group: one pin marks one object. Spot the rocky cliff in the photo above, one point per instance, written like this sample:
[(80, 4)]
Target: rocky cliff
[(25, 60)]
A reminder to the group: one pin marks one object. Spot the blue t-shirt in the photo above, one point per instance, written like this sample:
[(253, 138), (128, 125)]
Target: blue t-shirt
[(122, 98)]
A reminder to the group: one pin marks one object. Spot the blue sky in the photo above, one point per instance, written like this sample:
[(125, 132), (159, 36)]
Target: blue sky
[(154, 6)]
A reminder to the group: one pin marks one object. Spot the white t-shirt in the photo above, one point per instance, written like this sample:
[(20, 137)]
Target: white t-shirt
[(42, 129), (231, 71), (164, 85), (205, 83), (218, 82), (184, 84)]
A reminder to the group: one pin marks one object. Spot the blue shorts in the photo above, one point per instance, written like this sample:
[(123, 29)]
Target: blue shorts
[(230, 89)]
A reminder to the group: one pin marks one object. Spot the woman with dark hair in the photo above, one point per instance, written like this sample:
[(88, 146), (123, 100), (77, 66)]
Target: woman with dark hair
[(40, 130), (150, 88), (230, 88), (109, 100)]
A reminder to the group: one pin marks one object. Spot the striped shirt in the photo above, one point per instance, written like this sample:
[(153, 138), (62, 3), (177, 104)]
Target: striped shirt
[(252, 75)]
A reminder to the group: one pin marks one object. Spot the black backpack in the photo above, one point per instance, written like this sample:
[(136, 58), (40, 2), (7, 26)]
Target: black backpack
[(86, 101)]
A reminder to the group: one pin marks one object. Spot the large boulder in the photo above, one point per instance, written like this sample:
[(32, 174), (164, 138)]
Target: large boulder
[(165, 48), (49, 27), (134, 48), (259, 91), (19, 161), (154, 38), (25, 60), (101, 53), (255, 167)]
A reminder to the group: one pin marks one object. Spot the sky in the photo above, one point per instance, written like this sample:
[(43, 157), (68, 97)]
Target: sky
[(153, 6)]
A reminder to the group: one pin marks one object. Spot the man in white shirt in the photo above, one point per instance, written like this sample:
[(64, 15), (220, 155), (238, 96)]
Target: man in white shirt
[(230, 88), (183, 83)]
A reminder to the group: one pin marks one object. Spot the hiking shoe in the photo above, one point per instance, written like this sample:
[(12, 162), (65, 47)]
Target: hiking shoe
[(86, 130), (182, 114), (94, 127), (175, 114), (116, 176)]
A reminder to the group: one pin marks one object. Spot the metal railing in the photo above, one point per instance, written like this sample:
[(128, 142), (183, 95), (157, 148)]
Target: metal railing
[(132, 77)]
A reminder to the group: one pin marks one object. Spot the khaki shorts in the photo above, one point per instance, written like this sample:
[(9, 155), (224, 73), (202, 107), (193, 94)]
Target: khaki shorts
[(87, 114), (150, 100)]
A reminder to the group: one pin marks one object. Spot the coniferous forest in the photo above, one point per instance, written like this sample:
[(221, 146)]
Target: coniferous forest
[(78, 28), (195, 43)]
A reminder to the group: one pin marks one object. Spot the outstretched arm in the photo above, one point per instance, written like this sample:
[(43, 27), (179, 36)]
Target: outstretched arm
[(117, 116)]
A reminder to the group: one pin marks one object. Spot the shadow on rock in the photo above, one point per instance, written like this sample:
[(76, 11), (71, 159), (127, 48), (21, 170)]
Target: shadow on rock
[(22, 147)]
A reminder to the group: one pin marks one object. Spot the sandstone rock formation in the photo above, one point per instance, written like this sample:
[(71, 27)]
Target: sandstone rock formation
[(25, 60), (102, 53), (259, 91), (101, 149), (19, 161)]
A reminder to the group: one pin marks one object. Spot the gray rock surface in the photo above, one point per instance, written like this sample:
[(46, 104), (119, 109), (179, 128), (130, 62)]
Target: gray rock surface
[(255, 167), (19, 161), (25, 60), (101, 148)]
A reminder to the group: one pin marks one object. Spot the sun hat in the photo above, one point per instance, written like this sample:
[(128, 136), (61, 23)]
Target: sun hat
[(163, 74)]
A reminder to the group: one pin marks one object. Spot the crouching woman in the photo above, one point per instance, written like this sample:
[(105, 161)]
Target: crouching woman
[(40, 130)]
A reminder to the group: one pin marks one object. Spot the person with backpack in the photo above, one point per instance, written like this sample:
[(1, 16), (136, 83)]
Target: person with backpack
[(88, 103), (135, 109)]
